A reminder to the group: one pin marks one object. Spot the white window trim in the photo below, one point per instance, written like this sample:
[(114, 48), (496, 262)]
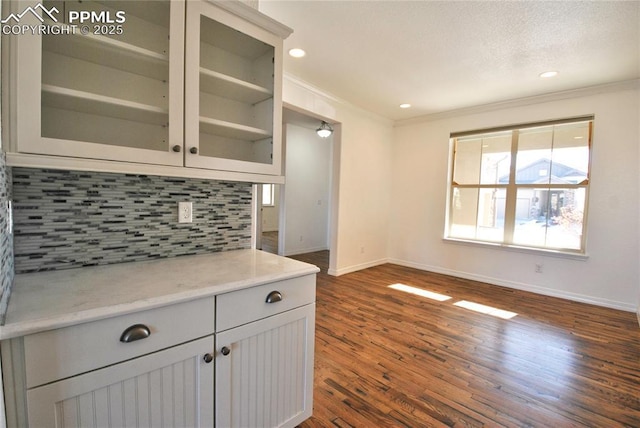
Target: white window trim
[(580, 254), (517, 248)]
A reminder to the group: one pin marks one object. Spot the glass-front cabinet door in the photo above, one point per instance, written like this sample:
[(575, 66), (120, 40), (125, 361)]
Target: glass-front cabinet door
[(105, 82), (233, 104)]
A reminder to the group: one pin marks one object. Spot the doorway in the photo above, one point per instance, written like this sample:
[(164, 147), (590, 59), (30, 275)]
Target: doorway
[(270, 213), (301, 217)]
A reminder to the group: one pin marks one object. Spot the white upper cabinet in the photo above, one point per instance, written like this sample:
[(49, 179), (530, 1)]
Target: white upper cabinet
[(233, 102), (157, 84), (103, 95)]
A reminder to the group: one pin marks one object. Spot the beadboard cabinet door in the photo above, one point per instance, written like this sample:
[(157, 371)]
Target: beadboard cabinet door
[(108, 92), (173, 387), (264, 371)]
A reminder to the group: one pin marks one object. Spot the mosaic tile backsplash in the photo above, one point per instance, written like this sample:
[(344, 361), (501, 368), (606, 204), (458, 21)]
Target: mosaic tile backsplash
[(69, 219), (6, 239)]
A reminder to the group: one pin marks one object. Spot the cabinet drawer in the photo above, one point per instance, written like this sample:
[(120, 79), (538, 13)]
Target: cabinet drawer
[(57, 354), (250, 304)]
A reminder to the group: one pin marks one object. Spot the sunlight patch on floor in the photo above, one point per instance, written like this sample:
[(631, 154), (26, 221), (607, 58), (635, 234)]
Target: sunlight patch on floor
[(420, 292), (483, 309), (476, 307)]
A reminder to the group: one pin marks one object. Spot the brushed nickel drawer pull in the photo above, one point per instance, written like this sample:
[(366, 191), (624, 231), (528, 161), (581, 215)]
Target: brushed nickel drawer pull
[(135, 332), (274, 296)]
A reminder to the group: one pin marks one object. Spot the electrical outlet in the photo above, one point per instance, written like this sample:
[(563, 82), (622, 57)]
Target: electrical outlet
[(185, 212)]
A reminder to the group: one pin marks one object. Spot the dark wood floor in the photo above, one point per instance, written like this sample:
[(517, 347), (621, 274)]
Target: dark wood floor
[(386, 358), (270, 242)]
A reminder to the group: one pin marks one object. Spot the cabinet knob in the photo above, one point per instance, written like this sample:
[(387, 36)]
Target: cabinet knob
[(176, 148), (193, 150), (135, 332), (207, 358), (225, 350), (274, 296)]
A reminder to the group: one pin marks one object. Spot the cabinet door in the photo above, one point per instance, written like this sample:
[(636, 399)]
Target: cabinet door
[(266, 378), (112, 91), (233, 105), (173, 387)]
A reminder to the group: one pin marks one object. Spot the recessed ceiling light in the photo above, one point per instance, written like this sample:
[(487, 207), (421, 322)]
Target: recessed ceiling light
[(297, 52), (405, 105), (547, 74)]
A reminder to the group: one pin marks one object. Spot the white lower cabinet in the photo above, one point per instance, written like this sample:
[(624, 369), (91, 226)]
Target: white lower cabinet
[(238, 359), (264, 371), (172, 387)]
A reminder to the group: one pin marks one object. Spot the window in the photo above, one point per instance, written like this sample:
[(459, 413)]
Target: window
[(268, 195), (522, 186)]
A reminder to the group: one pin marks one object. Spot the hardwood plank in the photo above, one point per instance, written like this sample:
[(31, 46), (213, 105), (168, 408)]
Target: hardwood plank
[(389, 358), (270, 242)]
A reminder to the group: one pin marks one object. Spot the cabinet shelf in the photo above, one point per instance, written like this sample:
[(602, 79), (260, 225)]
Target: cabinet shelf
[(232, 130), (111, 53), (230, 87), (85, 102)]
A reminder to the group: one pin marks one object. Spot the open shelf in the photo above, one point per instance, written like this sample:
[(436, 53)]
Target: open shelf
[(110, 52), (85, 102), (230, 87), (231, 130)]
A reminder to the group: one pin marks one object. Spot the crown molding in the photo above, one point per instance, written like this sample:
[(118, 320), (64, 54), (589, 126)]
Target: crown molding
[(483, 108), (327, 96), (521, 102)]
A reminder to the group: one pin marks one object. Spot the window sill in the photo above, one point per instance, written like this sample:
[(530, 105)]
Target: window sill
[(516, 248)]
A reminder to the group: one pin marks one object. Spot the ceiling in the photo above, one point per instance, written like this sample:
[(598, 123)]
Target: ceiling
[(446, 55)]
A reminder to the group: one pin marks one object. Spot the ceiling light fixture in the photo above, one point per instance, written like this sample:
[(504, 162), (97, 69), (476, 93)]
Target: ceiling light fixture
[(325, 130), (548, 74), (297, 52), (405, 105)]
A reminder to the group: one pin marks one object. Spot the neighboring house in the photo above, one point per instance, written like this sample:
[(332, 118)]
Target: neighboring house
[(541, 169), (543, 204)]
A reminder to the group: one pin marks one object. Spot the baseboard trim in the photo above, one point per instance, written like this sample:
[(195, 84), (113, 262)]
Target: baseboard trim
[(522, 286), (494, 281), (305, 251), (355, 268)]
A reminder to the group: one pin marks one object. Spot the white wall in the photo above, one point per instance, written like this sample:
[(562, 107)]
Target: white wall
[(307, 191), (363, 143), (609, 276)]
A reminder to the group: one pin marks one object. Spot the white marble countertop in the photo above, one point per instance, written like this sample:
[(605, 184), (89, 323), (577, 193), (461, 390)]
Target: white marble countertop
[(47, 300)]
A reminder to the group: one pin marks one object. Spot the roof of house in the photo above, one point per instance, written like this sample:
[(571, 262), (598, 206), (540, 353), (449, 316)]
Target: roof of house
[(544, 171)]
